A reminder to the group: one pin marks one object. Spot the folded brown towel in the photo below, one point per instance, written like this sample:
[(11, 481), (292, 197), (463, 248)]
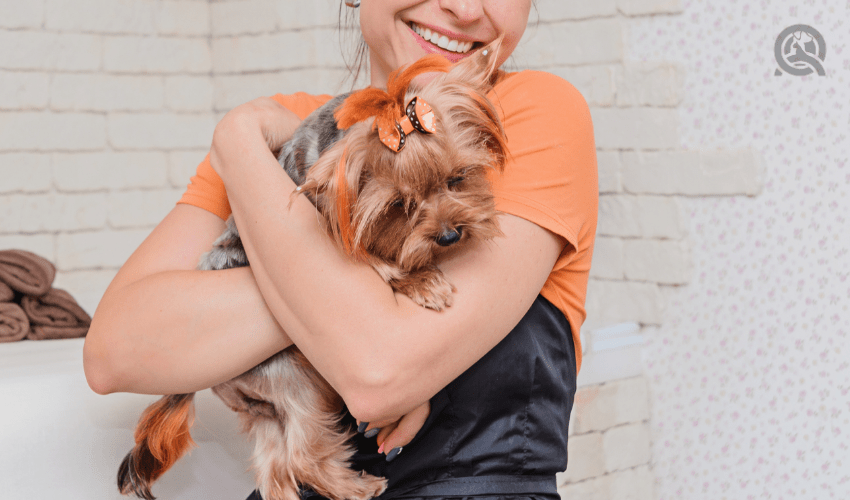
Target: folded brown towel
[(55, 315), (26, 272), (14, 324), (6, 293), (56, 332)]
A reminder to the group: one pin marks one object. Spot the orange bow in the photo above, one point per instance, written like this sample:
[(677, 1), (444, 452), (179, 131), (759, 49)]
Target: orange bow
[(418, 115), (393, 118)]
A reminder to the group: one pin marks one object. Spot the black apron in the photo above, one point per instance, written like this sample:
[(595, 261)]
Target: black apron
[(498, 430)]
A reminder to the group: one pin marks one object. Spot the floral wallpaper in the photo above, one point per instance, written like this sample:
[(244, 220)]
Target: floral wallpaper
[(750, 370)]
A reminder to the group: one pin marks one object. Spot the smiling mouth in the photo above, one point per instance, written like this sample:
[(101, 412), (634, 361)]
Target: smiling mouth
[(442, 41)]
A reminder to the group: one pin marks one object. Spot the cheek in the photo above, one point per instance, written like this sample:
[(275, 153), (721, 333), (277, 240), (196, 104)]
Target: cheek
[(511, 18)]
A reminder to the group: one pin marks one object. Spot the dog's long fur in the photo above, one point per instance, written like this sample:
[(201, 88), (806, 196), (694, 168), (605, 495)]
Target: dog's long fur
[(404, 203)]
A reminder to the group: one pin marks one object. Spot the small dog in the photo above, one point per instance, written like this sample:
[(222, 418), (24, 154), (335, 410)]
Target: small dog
[(400, 178)]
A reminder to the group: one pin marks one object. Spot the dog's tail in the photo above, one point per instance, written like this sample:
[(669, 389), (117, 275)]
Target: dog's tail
[(162, 436)]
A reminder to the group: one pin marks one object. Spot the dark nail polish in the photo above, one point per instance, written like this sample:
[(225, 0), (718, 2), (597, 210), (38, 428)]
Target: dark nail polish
[(372, 432), (362, 426), (393, 453)]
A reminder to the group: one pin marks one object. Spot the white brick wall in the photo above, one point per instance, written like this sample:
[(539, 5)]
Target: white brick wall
[(692, 172), (662, 261), (50, 51), (21, 14), (99, 92), (648, 84), (641, 216), (142, 54), (595, 82), (24, 173), (101, 249), (556, 10), (109, 170), (266, 16), (23, 91), (591, 41), (610, 443), (611, 302), (643, 7), (48, 131), (106, 107), (146, 131), (635, 127)]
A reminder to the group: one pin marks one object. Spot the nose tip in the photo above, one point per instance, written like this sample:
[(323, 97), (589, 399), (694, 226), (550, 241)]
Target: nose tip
[(450, 237)]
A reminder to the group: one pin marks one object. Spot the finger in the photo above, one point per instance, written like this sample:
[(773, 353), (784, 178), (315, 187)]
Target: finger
[(371, 429), (404, 432), (385, 431)]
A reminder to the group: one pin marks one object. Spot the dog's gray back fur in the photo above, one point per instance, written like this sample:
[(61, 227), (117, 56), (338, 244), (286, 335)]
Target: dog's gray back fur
[(316, 133)]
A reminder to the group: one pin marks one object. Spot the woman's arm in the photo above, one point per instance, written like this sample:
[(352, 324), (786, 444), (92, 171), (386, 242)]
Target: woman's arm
[(162, 327), (383, 353)]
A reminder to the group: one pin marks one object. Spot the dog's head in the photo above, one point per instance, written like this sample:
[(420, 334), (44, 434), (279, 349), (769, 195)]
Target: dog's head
[(409, 206)]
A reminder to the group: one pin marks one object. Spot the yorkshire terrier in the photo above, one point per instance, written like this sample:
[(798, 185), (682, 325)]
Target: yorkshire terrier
[(400, 177)]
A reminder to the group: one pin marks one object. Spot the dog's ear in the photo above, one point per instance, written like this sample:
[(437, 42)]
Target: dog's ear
[(333, 184), (478, 69)]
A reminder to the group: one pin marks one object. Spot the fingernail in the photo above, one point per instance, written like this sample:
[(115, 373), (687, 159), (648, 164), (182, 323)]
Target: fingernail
[(381, 448), (372, 432), (393, 453), (362, 426)]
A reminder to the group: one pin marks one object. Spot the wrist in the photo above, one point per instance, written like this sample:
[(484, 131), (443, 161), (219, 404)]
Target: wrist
[(251, 130)]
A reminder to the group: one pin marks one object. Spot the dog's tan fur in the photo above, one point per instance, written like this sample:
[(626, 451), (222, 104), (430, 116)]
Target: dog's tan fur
[(403, 201)]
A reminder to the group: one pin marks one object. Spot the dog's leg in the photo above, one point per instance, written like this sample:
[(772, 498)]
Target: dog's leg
[(427, 287), (239, 395), (293, 414)]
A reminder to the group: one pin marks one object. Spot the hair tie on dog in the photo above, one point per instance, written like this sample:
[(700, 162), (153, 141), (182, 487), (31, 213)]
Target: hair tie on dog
[(418, 115)]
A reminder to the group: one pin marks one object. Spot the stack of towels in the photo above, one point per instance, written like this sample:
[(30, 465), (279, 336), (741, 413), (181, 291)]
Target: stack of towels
[(30, 308)]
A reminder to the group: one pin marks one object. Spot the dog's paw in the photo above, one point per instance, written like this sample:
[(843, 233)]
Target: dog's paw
[(428, 288), (365, 487)]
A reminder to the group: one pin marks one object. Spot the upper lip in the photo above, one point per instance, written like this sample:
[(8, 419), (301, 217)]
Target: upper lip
[(450, 34)]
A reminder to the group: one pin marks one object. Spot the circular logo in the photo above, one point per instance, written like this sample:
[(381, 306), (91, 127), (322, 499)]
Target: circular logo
[(799, 51)]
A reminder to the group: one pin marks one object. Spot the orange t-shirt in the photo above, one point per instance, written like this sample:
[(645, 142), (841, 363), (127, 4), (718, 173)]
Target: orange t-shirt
[(550, 178)]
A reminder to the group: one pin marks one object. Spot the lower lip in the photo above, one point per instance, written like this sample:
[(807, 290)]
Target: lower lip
[(433, 49)]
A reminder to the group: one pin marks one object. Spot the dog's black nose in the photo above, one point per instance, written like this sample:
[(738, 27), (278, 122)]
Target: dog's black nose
[(450, 237)]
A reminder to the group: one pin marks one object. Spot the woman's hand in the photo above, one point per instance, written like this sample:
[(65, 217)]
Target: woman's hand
[(262, 120), (393, 435)]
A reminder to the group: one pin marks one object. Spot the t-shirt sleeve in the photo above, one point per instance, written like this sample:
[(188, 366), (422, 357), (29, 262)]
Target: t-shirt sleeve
[(551, 174), (206, 190)]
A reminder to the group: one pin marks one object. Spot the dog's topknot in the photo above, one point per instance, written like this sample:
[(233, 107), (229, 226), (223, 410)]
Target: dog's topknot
[(386, 105)]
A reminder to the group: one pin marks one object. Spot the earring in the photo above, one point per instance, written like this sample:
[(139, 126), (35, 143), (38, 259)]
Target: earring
[(352, 3)]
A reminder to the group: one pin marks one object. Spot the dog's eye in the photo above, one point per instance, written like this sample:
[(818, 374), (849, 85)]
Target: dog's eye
[(399, 203), (454, 181)]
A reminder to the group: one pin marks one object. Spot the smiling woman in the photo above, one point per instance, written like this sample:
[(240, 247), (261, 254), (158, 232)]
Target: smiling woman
[(479, 394)]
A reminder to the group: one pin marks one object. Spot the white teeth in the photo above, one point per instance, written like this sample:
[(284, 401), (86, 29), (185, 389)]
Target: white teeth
[(442, 41)]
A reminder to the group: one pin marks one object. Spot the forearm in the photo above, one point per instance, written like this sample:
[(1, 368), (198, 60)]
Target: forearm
[(180, 331), (336, 310)]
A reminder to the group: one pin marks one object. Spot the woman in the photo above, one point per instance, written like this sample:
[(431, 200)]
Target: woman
[(480, 394)]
